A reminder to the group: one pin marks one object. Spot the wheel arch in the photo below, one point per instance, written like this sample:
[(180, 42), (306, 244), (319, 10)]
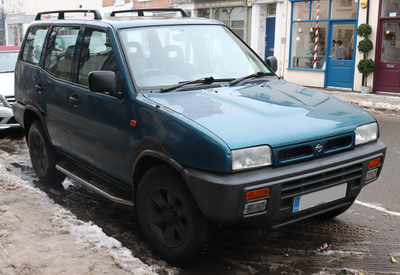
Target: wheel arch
[(30, 115), (147, 159)]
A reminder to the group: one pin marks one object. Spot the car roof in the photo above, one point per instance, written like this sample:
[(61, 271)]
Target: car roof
[(125, 21)]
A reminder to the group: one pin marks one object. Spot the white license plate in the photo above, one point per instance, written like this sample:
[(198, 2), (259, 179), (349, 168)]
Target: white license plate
[(319, 197)]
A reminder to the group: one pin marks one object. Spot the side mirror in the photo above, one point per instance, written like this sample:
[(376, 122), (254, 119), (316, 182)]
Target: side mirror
[(104, 82), (272, 63)]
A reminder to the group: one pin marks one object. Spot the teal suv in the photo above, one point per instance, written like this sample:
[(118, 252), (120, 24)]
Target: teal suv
[(179, 118)]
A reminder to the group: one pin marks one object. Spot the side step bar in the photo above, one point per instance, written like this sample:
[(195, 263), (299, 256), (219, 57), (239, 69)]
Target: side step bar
[(98, 184)]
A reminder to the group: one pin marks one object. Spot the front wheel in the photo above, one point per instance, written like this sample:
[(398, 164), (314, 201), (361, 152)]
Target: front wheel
[(43, 156), (170, 219)]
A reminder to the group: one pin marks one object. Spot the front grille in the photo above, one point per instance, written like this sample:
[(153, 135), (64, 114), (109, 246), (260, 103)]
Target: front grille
[(296, 152), (312, 149), (10, 99), (292, 189), (337, 143)]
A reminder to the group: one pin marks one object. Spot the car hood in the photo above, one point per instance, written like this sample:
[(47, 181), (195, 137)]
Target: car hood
[(277, 113), (7, 84)]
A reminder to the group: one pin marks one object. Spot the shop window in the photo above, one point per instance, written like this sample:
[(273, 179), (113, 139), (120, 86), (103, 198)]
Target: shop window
[(390, 8), (344, 9), (303, 45), (237, 21), (323, 9), (301, 10), (204, 13), (306, 16)]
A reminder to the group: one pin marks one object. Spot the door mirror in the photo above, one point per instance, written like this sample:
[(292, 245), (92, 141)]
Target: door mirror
[(104, 82), (272, 63)]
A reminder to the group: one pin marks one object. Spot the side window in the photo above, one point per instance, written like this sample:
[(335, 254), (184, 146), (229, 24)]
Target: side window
[(60, 50), (97, 55), (34, 45)]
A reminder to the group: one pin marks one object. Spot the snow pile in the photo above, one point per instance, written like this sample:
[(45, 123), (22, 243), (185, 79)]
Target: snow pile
[(38, 236)]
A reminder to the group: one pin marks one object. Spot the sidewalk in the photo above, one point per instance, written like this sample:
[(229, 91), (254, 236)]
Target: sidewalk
[(375, 102)]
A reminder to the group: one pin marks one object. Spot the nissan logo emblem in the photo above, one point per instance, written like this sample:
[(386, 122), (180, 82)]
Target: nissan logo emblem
[(319, 148)]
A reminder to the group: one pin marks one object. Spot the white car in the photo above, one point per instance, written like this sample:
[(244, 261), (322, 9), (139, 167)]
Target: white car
[(8, 58)]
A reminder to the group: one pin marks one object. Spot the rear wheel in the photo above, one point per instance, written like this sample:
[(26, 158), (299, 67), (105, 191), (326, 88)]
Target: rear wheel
[(43, 156), (170, 219)]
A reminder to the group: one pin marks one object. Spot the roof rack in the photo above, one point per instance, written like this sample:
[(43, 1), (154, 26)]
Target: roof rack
[(141, 11), (61, 13)]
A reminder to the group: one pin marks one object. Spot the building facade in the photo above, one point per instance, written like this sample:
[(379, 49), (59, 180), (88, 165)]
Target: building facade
[(19, 13)]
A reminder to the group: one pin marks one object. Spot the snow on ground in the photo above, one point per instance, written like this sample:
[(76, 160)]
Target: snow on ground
[(37, 236), (374, 102)]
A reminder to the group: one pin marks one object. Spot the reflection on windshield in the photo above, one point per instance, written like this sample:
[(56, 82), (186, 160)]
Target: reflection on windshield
[(7, 62), (167, 55)]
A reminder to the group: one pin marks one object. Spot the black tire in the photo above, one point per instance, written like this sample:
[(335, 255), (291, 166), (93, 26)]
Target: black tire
[(334, 213), (170, 219), (43, 156)]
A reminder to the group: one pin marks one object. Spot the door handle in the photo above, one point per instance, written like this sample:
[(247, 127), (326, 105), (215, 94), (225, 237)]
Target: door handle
[(39, 88), (74, 99)]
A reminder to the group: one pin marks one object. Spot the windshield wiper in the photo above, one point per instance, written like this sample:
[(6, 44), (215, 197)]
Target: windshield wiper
[(203, 80), (255, 75)]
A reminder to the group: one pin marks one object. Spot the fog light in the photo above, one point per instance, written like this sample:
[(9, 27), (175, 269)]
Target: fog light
[(371, 174), (254, 207)]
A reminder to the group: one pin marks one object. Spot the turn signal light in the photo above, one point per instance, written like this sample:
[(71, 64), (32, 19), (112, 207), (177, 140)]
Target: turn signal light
[(374, 162), (257, 193)]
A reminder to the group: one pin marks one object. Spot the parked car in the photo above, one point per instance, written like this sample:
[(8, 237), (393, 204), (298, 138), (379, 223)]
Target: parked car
[(179, 118), (8, 58)]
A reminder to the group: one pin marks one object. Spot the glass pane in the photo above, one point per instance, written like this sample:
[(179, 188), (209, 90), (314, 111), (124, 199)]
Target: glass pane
[(343, 41), (344, 9), (204, 13), (390, 8), (391, 43), (303, 45), (301, 10), (323, 9), (223, 16)]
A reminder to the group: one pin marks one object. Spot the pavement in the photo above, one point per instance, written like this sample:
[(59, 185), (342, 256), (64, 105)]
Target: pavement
[(385, 103)]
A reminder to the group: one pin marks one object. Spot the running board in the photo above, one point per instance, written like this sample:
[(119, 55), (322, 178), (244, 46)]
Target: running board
[(98, 184)]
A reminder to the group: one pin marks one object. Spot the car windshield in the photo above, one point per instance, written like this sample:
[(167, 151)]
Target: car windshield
[(169, 55), (7, 61)]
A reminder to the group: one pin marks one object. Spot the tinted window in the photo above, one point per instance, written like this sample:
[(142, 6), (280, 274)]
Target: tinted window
[(97, 55), (34, 45), (60, 50)]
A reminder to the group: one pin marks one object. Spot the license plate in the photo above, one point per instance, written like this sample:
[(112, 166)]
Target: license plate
[(319, 197)]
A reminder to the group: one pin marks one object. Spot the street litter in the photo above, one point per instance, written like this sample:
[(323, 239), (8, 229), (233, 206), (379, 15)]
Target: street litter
[(393, 260), (337, 259), (324, 248)]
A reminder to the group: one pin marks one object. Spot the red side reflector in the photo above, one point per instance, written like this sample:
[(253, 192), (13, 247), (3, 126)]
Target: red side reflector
[(374, 162), (133, 123), (257, 193)]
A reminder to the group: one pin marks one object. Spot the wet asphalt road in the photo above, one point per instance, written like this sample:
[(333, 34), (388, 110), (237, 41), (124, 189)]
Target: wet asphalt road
[(364, 238)]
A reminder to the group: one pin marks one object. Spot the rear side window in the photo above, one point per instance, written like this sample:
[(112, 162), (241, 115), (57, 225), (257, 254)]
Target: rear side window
[(34, 45), (97, 55), (60, 51)]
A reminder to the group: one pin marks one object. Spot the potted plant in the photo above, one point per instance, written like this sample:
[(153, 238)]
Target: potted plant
[(365, 66)]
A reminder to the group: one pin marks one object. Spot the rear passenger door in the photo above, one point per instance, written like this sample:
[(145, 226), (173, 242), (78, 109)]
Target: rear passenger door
[(99, 122), (56, 83)]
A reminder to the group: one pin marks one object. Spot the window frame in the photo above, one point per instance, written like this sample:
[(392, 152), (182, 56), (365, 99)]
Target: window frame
[(329, 20)]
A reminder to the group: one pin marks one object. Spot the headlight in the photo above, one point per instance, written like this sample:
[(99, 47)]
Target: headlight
[(366, 133), (251, 158)]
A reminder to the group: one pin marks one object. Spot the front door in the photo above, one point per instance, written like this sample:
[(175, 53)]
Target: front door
[(387, 75), (269, 37), (340, 65)]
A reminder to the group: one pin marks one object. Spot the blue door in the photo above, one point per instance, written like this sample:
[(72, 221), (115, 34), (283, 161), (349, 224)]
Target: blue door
[(340, 55), (269, 37)]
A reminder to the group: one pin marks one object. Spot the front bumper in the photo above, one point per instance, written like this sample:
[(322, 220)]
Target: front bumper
[(7, 119), (222, 198)]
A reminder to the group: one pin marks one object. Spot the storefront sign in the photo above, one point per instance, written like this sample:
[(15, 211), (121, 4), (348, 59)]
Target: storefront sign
[(364, 4), (220, 4)]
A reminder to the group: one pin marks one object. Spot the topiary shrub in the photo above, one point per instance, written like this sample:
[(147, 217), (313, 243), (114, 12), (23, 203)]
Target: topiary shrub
[(365, 66)]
